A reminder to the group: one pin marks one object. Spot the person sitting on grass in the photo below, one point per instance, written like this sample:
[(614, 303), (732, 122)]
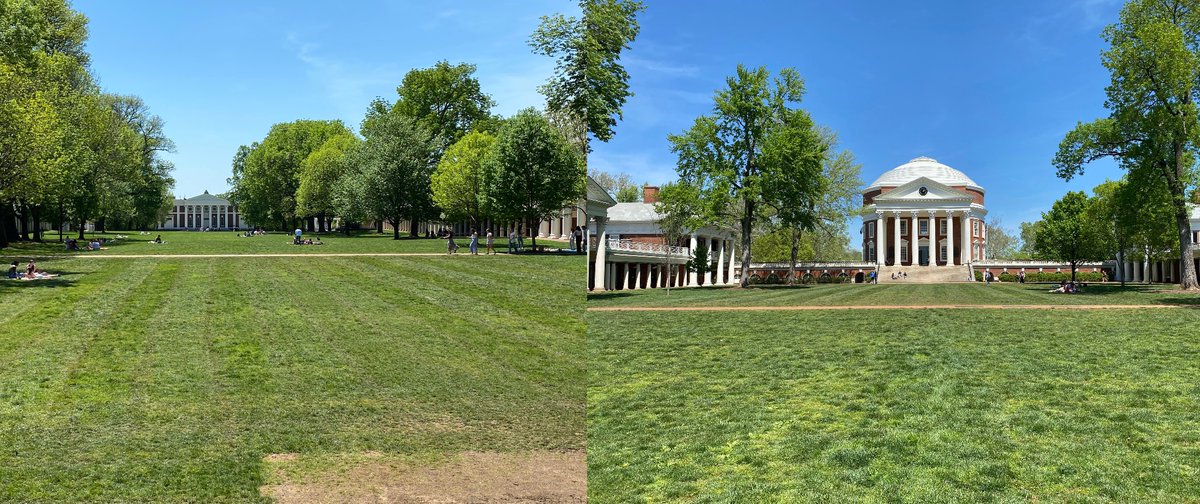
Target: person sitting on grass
[(158, 239), (12, 271), (318, 241)]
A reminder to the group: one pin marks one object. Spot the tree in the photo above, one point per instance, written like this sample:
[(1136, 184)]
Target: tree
[(457, 183), (267, 186), (1028, 248), (446, 98), (395, 163), (319, 172), (1154, 124), (1000, 243), (532, 172), (614, 185), (676, 216), (589, 81), (1068, 232), (628, 194), (722, 154)]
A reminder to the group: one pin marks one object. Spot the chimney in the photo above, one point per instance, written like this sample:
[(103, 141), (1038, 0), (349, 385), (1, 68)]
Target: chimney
[(650, 194)]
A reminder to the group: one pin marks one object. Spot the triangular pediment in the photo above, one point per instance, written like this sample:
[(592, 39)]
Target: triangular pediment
[(934, 191)]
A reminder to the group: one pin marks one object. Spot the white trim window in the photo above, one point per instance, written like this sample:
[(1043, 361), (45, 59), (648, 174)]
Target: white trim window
[(871, 229), (904, 251), (903, 226), (942, 227), (923, 227), (871, 252), (942, 253), (974, 228)]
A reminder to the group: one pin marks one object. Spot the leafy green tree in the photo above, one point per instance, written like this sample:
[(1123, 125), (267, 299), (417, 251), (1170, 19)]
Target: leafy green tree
[(457, 183), (1069, 233), (700, 263), (677, 215), (446, 98), (395, 163), (1153, 124), (1000, 243), (722, 154), (1028, 248), (318, 173), (589, 82), (532, 172), (628, 194), (267, 186)]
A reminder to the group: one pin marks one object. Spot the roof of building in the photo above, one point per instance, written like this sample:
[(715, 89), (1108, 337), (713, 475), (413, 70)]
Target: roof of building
[(204, 198), (633, 212), (923, 167)]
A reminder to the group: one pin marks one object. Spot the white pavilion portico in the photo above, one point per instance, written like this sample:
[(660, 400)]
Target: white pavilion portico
[(924, 214)]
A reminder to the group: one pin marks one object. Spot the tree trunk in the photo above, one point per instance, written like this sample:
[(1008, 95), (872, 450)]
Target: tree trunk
[(5, 219), (747, 222), (1121, 266), (36, 215), (82, 224), (532, 235), (1073, 268), (1187, 269), (100, 226), (395, 228), (412, 228), (795, 252), (379, 226), (23, 220)]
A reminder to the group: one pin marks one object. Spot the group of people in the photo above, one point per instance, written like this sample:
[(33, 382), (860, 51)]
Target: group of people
[(93, 244), (473, 246), (252, 232), (899, 275), (1065, 287), (31, 272)]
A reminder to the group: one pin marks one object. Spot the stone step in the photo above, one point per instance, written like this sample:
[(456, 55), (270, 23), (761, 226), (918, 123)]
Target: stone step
[(926, 274)]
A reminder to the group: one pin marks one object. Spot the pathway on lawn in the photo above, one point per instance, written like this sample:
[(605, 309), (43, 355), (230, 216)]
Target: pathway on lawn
[(882, 307)]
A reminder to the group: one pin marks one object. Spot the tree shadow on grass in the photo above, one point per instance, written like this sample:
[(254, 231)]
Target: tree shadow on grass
[(9, 285)]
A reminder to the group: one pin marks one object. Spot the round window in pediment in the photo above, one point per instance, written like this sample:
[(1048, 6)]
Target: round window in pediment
[(923, 190)]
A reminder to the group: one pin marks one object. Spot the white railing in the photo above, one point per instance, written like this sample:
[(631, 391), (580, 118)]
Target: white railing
[(653, 248), (817, 265), (1025, 263)]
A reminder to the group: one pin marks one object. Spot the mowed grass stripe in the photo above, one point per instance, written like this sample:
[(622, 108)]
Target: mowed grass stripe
[(495, 339), (504, 289), (967, 406)]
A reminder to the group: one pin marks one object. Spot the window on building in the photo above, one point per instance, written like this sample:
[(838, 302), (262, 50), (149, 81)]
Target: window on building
[(923, 227), (871, 229), (871, 252), (942, 227), (974, 228), (942, 254), (904, 252), (903, 226)]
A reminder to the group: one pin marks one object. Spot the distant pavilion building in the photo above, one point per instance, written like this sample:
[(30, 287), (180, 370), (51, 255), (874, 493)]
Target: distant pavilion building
[(629, 250), (205, 211)]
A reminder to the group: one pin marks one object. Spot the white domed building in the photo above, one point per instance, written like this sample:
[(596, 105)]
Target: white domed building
[(924, 214)]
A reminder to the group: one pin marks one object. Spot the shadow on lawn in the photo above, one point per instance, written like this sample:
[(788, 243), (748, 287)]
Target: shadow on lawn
[(8, 285)]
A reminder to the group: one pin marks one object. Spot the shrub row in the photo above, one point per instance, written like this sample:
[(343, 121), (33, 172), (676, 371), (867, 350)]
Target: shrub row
[(1047, 276), (774, 279)]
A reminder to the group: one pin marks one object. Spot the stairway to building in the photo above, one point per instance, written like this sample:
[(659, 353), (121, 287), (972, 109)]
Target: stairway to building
[(927, 274)]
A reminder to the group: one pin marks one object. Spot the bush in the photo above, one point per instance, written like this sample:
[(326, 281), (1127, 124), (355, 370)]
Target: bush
[(1046, 276)]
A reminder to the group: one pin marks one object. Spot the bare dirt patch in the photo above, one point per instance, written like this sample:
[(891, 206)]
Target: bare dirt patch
[(469, 477)]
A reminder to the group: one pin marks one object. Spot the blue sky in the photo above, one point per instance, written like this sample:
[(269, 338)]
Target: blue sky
[(220, 73), (986, 87), (989, 88)]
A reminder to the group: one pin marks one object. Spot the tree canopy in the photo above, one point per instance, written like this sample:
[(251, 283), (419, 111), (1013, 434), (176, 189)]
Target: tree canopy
[(1153, 127), (532, 172), (457, 182), (589, 81), (1069, 232)]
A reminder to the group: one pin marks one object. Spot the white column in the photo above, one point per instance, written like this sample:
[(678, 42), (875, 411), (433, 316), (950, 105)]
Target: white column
[(625, 277), (983, 245), (720, 262), (880, 249), (934, 249), (949, 238), (692, 274), (601, 245), (914, 238), (896, 239), (966, 238), (732, 258)]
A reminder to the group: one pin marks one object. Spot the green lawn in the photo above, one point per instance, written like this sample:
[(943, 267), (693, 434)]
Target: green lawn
[(954, 405), (898, 295), (230, 242), (138, 380)]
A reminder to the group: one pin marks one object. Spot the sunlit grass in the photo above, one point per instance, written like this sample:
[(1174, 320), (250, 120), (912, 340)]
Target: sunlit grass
[(138, 380), (894, 406)]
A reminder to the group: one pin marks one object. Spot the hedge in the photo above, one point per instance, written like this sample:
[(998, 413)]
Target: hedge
[(1047, 276)]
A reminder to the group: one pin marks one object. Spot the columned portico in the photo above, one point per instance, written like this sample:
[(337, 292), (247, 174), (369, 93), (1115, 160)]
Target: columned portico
[(932, 206)]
